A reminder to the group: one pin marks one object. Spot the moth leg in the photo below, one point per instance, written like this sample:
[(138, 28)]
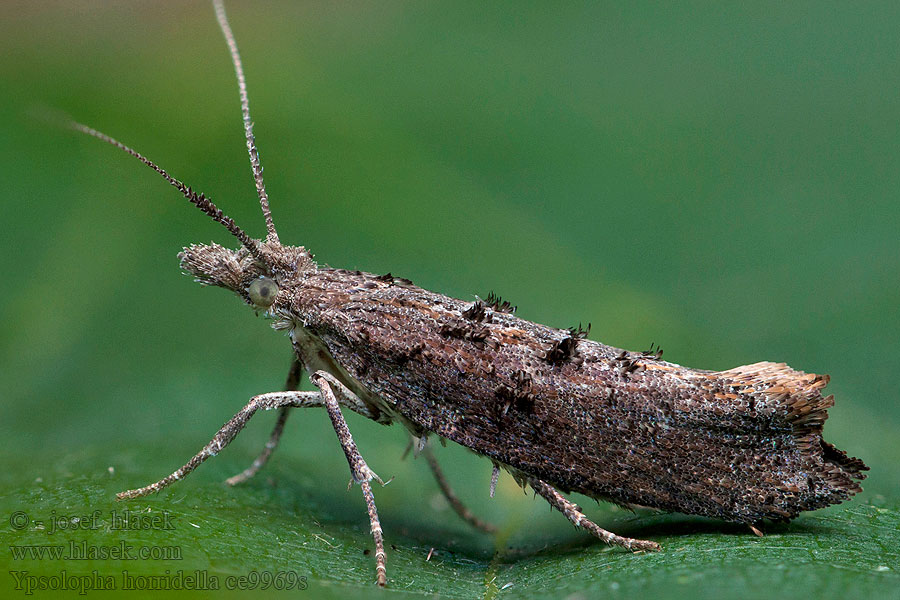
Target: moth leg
[(266, 453), (464, 513), (350, 400), (227, 432), (574, 514), (495, 477), (293, 381), (362, 474)]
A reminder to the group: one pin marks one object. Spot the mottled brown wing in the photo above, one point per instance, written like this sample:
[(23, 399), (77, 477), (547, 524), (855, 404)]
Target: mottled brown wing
[(740, 445)]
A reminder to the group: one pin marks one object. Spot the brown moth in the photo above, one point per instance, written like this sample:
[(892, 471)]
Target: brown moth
[(557, 411)]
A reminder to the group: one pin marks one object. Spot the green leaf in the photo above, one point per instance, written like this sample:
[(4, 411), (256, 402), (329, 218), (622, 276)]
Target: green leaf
[(283, 521)]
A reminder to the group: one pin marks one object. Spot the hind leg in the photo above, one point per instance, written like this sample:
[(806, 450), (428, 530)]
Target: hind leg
[(574, 514)]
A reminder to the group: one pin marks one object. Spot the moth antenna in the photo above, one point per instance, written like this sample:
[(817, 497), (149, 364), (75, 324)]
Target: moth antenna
[(272, 235), (198, 200)]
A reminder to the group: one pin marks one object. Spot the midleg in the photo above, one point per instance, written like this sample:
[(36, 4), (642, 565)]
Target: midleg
[(457, 505), (361, 472)]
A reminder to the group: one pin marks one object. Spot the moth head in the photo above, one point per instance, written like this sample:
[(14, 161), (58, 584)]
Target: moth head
[(259, 279)]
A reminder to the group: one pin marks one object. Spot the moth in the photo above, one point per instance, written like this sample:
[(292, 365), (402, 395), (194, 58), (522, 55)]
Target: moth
[(559, 412)]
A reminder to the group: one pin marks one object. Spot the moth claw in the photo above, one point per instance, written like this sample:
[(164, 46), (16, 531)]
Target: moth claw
[(367, 474)]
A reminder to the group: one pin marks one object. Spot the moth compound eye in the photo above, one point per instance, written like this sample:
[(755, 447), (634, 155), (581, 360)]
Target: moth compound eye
[(263, 291)]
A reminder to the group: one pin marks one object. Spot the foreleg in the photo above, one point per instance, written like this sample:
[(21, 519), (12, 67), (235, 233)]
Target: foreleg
[(228, 432)]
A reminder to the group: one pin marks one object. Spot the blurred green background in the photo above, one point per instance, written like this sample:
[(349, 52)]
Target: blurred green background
[(720, 179)]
